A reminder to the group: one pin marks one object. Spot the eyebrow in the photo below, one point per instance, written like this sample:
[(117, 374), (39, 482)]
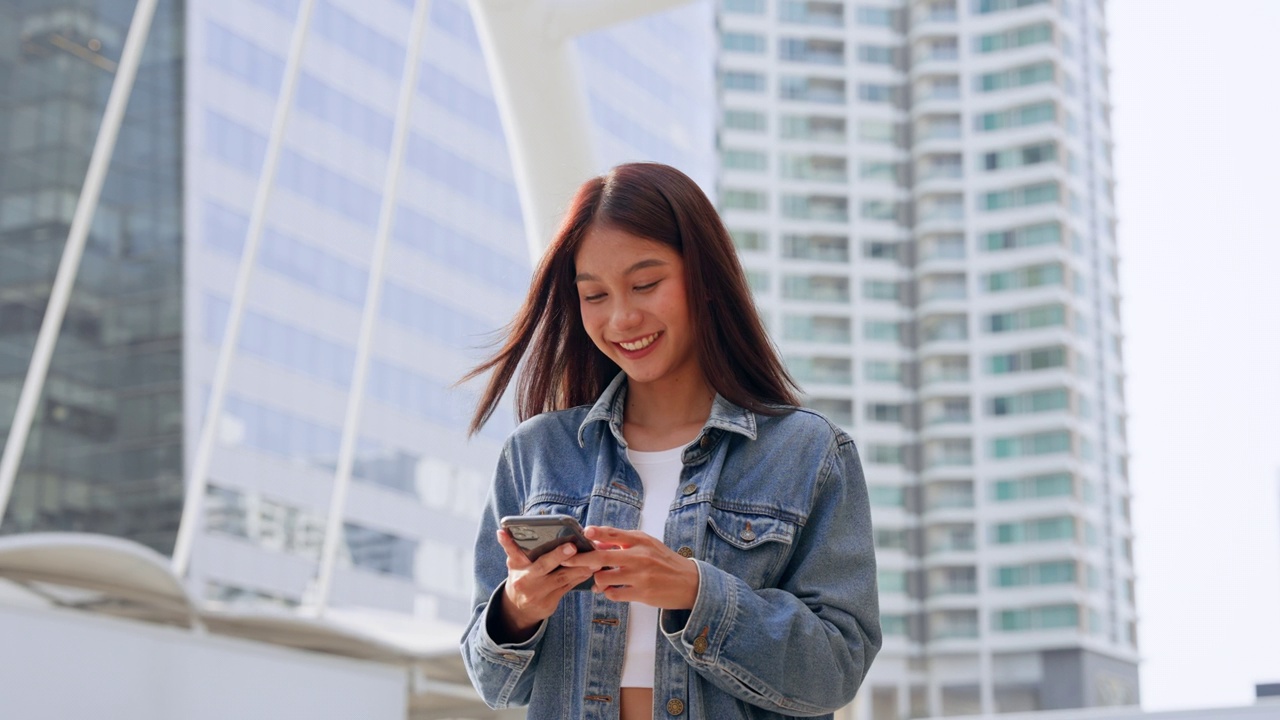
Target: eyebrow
[(651, 262)]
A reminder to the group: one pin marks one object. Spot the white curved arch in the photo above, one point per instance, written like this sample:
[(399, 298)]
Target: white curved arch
[(538, 89)]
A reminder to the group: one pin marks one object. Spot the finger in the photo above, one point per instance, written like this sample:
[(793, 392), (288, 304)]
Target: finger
[(593, 560), (616, 536), (515, 555), (548, 563)]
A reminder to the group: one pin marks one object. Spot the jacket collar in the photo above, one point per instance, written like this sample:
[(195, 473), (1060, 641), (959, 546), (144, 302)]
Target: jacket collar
[(609, 407)]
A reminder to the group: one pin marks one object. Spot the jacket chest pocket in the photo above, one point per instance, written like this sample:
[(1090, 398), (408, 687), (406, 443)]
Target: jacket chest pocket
[(574, 509), (752, 547)]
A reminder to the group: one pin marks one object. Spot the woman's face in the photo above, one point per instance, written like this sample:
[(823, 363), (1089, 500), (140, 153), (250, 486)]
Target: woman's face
[(631, 291)]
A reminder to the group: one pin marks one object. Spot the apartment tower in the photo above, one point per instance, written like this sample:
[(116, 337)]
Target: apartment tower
[(921, 192)]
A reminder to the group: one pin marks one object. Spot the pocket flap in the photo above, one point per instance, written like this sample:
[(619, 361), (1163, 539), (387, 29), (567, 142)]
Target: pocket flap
[(746, 531)]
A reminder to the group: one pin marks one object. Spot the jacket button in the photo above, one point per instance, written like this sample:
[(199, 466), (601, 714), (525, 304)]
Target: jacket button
[(747, 535), (705, 442), (675, 706), (685, 551), (689, 489), (700, 644)]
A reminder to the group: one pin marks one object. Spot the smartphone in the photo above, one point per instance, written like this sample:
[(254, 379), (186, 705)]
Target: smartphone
[(538, 535)]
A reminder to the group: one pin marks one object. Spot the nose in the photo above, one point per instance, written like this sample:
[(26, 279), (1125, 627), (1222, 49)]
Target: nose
[(626, 316)]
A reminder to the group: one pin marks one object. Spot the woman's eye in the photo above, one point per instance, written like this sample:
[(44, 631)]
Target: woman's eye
[(650, 286), (596, 297)]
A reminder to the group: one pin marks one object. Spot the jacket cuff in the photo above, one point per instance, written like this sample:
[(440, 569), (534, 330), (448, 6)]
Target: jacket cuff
[(698, 633), (514, 655)]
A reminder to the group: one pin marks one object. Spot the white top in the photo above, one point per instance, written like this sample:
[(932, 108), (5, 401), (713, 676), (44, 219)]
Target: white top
[(660, 475)]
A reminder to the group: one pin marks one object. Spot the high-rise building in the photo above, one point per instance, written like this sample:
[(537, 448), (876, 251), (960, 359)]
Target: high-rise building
[(921, 192), (120, 414)]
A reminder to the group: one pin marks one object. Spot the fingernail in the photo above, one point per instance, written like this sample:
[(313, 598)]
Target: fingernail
[(568, 550)]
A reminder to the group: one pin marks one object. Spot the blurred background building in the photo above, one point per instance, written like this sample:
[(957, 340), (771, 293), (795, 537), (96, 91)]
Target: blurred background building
[(920, 191), (125, 396), (922, 195)]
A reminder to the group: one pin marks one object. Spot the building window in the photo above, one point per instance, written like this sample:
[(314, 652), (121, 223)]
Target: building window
[(1021, 76), (813, 128), (881, 290), (742, 42), (747, 120), (837, 410), (742, 81), (1020, 116), (879, 54), (991, 6), (1026, 403), (1027, 360), (882, 249), (884, 412), (1039, 618), (749, 239), (820, 288), (821, 370), (1031, 276), (887, 496), (743, 160), (877, 16), (881, 331), (880, 93), (1054, 442), (882, 371), (811, 12), (744, 7), (828, 91), (1015, 38), (824, 248), (1033, 487), (826, 208), (883, 132), (1024, 196), (1020, 157), (819, 168), (881, 454), (885, 210), (811, 50), (758, 281), (1050, 529), (1022, 237), (817, 328), (1032, 318), (752, 200)]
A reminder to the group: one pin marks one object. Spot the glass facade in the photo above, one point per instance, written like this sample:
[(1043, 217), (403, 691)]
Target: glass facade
[(105, 451), (127, 392)]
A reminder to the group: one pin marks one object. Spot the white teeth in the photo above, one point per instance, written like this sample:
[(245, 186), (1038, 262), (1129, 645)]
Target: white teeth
[(640, 344)]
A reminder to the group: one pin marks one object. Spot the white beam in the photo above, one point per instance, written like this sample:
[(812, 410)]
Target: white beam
[(60, 294), (538, 89), (373, 298), (199, 477)]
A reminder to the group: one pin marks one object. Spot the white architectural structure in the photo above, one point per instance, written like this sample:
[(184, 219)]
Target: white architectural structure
[(921, 193)]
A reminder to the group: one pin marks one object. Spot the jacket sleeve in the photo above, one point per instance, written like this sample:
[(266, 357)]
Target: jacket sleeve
[(501, 672), (803, 647)]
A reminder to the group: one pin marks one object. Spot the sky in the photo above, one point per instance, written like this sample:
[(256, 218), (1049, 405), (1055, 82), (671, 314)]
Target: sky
[(1197, 130)]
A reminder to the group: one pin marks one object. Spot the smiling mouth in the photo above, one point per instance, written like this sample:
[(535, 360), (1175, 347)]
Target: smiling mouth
[(640, 344)]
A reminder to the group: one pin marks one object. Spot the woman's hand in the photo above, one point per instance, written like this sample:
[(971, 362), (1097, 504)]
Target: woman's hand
[(631, 566), (534, 588)]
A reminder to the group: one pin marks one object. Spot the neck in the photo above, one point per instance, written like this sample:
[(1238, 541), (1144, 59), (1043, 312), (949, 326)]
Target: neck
[(675, 403)]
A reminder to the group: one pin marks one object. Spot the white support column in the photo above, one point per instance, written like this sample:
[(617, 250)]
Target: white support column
[(537, 85), (60, 295), (199, 477), (373, 298)]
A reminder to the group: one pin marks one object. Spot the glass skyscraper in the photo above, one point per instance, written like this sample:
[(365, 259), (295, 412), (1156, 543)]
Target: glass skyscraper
[(119, 420)]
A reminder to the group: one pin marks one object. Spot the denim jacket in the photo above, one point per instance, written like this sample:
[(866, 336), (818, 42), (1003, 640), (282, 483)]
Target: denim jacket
[(773, 509)]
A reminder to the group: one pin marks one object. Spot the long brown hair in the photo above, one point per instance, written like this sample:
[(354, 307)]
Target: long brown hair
[(560, 367)]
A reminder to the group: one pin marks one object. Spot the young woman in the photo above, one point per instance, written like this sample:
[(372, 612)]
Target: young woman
[(734, 575)]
